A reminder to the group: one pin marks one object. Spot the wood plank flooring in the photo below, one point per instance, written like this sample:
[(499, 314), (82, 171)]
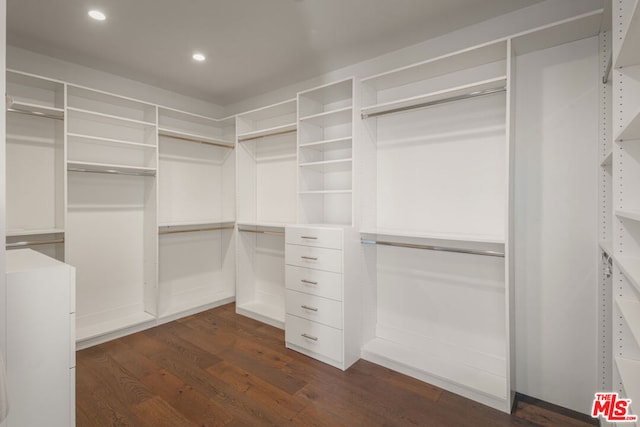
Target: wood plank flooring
[(218, 368)]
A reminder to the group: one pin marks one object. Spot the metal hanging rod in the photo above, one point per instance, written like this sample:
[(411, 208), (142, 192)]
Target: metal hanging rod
[(15, 245), (35, 113), (251, 138), (605, 78), (192, 230), (111, 172), (437, 102), (434, 248), (274, 233), (199, 141)]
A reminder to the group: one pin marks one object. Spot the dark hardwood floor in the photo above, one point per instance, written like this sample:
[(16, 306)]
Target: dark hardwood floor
[(218, 368)]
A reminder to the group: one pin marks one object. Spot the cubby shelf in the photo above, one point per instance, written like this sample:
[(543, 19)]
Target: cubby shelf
[(107, 141), (198, 223), (630, 310), (329, 118), (629, 54), (329, 144), (632, 214), (630, 267), (109, 118), (629, 371), (34, 232), (631, 132), (494, 85), (339, 165), (264, 133)]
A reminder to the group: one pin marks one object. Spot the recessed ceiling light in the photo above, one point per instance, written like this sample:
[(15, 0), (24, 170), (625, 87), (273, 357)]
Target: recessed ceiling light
[(199, 57), (97, 15)]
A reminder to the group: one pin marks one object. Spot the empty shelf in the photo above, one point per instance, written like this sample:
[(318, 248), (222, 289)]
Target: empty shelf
[(630, 267), (329, 118), (629, 54), (108, 118), (630, 310), (629, 371), (201, 139), (329, 144), (340, 165), (15, 105), (608, 160), (273, 131), (631, 131), (628, 214), (433, 235), (15, 232), (109, 169), (81, 138)]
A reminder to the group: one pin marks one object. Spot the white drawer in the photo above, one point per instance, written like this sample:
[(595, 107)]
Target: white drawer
[(315, 337), (315, 282), (319, 237), (318, 258), (312, 307)]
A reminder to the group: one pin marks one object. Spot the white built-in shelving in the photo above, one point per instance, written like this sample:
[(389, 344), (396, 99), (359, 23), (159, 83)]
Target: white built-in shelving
[(266, 201)]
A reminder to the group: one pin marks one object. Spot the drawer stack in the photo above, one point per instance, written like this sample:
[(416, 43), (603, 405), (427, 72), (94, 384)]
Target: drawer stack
[(314, 298)]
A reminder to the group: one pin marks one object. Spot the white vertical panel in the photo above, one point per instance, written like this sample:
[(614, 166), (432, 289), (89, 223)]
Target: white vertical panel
[(556, 222)]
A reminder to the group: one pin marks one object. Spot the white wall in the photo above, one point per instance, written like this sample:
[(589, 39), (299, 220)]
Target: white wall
[(3, 284), (531, 17), (557, 223), (35, 63)]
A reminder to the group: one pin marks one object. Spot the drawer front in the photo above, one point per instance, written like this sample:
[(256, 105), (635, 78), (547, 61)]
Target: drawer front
[(318, 237), (318, 258), (312, 307), (315, 337), (315, 282)]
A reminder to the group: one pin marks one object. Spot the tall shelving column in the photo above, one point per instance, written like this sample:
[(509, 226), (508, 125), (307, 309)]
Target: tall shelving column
[(266, 162), (196, 213), (112, 232), (35, 163), (626, 187)]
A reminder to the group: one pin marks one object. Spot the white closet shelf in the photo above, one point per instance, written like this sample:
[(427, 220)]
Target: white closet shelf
[(329, 144), (258, 224), (405, 359), (198, 299), (470, 90), (453, 237), (608, 160), (86, 330), (330, 93), (190, 223), (108, 141), (630, 310), (272, 131), (456, 61), (109, 168), (633, 214), (631, 132), (263, 312), (340, 165), (629, 371), (630, 267), (32, 232), (629, 54), (186, 136), (336, 117), (270, 111), (607, 247), (109, 118), (321, 192), (20, 106), (557, 33)]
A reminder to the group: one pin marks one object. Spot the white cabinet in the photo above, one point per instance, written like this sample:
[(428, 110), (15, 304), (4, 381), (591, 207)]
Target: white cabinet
[(322, 320), (40, 340)]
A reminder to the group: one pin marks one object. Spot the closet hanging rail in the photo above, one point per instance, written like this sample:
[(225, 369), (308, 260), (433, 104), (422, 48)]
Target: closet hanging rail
[(250, 138), (470, 95), (36, 113), (274, 233), (195, 139), (15, 245), (193, 230), (111, 172), (433, 248)]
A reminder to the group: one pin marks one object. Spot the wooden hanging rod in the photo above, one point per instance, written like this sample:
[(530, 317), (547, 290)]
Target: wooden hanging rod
[(476, 94), (16, 245), (193, 230), (434, 248)]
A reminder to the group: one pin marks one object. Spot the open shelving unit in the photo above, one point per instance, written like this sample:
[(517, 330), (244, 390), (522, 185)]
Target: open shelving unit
[(196, 213), (266, 175), (35, 163), (111, 211), (626, 195), (325, 154)]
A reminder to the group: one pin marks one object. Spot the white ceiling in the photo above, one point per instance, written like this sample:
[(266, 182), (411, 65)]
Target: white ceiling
[(252, 46)]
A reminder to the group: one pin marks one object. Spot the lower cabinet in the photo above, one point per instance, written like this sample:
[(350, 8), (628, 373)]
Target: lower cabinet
[(318, 295), (40, 349)]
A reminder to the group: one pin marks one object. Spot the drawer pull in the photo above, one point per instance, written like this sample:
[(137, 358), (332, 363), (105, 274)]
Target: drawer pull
[(306, 307), (309, 337), (311, 258), (308, 282), (309, 237)]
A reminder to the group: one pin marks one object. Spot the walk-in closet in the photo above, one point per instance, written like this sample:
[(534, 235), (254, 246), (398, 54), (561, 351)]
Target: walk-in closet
[(445, 191)]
